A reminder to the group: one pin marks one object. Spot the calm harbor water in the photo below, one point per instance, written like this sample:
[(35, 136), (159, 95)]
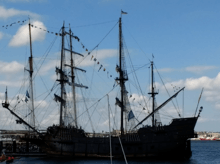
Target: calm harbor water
[(204, 152)]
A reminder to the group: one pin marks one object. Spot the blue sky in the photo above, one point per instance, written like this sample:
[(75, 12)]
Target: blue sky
[(183, 36)]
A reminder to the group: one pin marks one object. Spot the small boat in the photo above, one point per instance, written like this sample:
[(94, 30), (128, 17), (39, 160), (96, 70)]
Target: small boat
[(9, 159), (2, 158)]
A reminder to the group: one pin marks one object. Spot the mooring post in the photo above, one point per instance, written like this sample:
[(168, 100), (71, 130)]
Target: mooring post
[(14, 146)]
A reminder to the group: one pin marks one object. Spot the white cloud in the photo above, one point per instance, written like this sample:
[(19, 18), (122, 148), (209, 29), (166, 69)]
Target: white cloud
[(201, 119), (7, 13), (211, 87), (199, 69), (11, 74), (21, 38), (47, 67), (100, 56), (10, 83), (10, 68)]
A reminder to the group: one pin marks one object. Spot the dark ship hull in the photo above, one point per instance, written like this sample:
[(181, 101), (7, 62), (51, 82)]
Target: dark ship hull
[(162, 141)]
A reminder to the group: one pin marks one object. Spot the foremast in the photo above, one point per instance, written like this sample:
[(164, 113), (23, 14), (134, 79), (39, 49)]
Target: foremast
[(31, 71), (73, 80), (64, 79)]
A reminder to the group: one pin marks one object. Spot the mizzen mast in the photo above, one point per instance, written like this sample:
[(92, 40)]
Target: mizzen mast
[(152, 93)]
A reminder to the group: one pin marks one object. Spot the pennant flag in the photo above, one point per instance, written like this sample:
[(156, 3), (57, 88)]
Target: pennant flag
[(118, 102), (104, 69), (122, 12), (130, 115), (26, 99), (97, 62), (18, 97), (92, 57), (27, 94), (100, 68), (95, 59)]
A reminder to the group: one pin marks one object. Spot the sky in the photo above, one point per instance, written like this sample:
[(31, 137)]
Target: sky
[(182, 38)]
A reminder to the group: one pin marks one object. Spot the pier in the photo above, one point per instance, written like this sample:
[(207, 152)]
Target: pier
[(12, 145)]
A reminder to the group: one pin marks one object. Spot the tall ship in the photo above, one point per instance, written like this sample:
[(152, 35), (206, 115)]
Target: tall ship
[(139, 140)]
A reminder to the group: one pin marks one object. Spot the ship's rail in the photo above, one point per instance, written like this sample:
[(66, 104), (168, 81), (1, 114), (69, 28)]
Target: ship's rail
[(106, 135)]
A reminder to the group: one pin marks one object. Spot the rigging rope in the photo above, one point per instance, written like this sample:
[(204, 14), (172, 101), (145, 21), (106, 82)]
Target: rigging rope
[(167, 91), (93, 24), (97, 44), (135, 77)]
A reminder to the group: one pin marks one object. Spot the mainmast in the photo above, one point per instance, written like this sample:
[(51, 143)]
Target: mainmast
[(152, 92), (122, 76), (31, 79)]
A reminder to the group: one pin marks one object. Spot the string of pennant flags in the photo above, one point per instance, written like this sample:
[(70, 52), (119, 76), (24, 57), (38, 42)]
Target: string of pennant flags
[(14, 23), (83, 46), (94, 59), (59, 34), (27, 96)]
